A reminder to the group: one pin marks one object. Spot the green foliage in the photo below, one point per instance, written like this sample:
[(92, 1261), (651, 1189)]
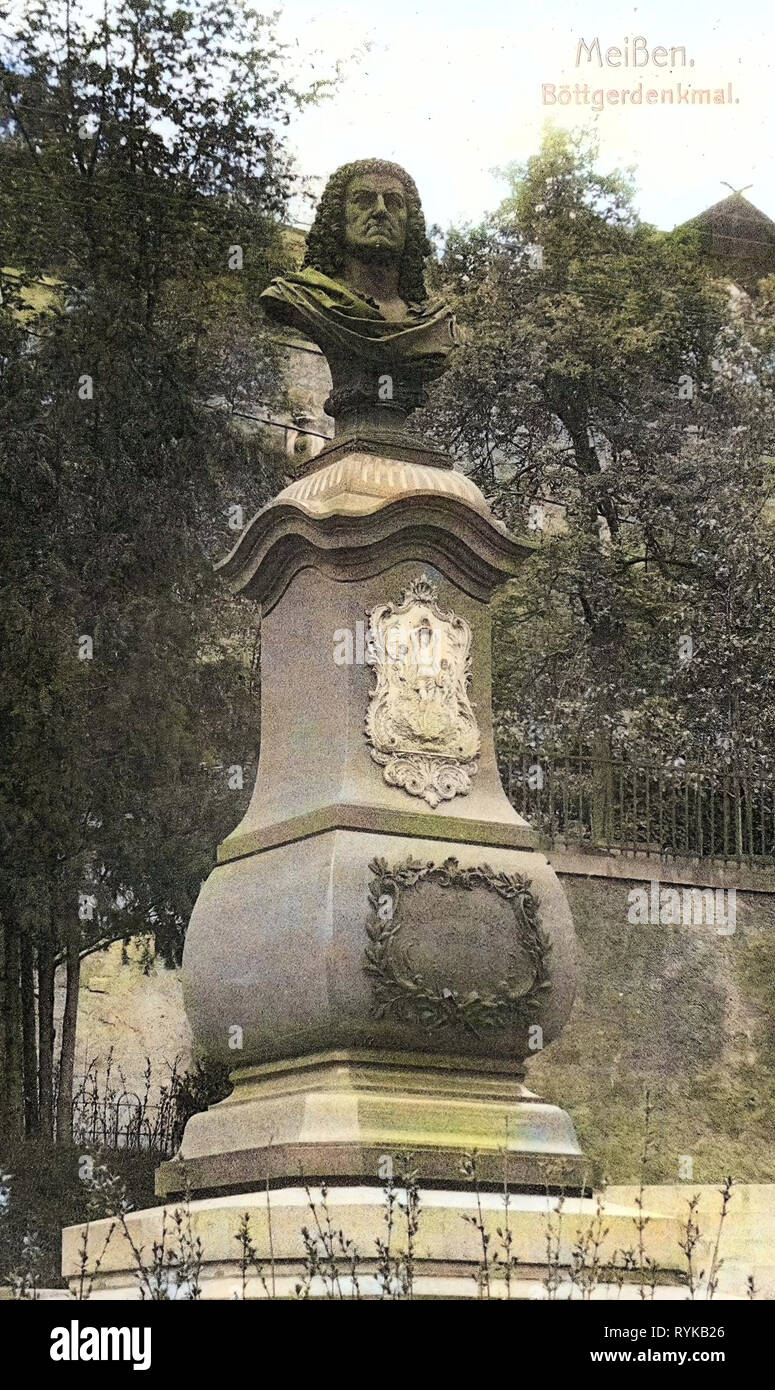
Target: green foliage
[(612, 383), (46, 1188), (138, 153), (206, 1083)]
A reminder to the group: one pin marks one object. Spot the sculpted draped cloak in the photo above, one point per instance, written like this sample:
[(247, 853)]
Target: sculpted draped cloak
[(349, 327)]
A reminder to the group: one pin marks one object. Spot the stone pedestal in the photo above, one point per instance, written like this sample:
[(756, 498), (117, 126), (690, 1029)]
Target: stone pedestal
[(446, 1247), (381, 945), (355, 1115)]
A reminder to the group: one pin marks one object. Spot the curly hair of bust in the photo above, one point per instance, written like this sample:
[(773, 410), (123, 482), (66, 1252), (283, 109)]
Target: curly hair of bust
[(325, 245)]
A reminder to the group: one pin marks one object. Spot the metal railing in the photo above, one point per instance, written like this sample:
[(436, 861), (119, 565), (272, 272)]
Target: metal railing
[(668, 810), (106, 1115), (126, 1122)]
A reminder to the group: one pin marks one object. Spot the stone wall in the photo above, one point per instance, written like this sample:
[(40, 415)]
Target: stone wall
[(133, 1009), (682, 1011)]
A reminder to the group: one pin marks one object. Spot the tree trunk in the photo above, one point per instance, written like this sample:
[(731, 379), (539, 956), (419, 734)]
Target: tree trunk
[(46, 973), (12, 1018), (29, 1039), (2, 1027), (67, 1052)]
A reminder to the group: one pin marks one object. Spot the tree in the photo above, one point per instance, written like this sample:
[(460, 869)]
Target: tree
[(613, 395), (143, 170)]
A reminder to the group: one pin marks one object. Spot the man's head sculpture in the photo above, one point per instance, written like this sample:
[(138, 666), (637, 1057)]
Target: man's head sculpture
[(361, 296), (350, 200)]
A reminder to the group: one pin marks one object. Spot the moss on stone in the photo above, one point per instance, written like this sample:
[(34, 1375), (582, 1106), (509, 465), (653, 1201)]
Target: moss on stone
[(683, 1013)]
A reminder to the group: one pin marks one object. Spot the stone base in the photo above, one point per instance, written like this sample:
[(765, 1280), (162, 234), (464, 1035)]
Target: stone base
[(447, 1247), (364, 438), (347, 1116)]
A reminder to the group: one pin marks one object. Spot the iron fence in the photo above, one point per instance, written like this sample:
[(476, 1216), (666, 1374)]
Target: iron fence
[(125, 1122), (669, 810), (107, 1114)]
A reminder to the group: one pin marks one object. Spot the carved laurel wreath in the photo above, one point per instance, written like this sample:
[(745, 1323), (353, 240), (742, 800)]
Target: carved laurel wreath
[(398, 989)]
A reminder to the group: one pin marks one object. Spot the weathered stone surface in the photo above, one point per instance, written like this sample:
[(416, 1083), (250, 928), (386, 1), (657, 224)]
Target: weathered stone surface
[(278, 943), (447, 1249), (343, 915), (130, 1016), (381, 894), (314, 753), (359, 518), (347, 1114), (711, 1104)]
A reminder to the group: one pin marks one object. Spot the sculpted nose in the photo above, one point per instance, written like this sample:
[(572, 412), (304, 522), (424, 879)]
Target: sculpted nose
[(379, 206)]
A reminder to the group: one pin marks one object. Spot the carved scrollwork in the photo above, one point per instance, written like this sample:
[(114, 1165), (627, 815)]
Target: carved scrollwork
[(420, 722), (403, 992)]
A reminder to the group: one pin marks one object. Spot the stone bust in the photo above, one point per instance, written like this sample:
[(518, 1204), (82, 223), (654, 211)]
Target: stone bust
[(361, 296)]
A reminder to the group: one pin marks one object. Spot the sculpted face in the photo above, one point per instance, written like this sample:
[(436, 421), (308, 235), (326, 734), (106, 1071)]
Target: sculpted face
[(375, 216)]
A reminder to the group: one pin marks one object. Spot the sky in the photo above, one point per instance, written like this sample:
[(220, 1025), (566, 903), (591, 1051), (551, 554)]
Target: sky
[(453, 91)]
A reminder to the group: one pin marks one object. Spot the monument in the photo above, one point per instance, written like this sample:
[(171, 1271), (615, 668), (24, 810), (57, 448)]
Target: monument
[(381, 945), (381, 935)]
